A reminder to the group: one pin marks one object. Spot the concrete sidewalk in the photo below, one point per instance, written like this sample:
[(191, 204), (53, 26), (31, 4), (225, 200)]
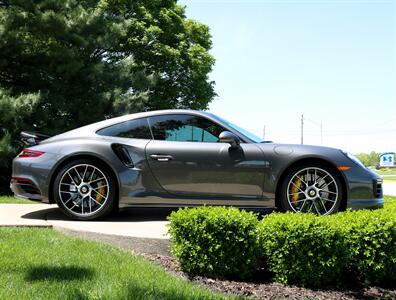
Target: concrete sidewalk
[(13, 215), (389, 188), (134, 222), (137, 222), (142, 230)]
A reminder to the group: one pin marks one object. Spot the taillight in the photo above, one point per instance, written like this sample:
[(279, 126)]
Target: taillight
[(30, 153)]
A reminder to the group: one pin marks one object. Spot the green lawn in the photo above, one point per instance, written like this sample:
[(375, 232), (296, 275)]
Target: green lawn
[(387, 171), (12, 199), (388, 174), (45, 264)]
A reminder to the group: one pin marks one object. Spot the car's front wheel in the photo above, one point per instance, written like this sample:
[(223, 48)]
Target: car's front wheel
[(312, 188), (84, 189)]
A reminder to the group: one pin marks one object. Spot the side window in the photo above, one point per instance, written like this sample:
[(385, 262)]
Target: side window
[(184, 128), (137, 129)]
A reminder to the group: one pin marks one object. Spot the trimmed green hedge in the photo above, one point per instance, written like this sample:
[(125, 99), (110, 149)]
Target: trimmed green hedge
[(295, 248), (215, 241)]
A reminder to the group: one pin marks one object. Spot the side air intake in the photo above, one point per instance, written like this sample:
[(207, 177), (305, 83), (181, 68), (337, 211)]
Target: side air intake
[(123, 154)]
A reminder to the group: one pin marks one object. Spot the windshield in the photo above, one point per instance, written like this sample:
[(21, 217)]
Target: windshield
[(249, 135)]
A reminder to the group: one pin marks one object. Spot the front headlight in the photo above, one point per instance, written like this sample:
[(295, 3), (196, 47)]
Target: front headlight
[(354, 159)]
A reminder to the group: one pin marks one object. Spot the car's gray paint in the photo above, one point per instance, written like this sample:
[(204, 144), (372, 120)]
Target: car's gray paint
[(246, 176)]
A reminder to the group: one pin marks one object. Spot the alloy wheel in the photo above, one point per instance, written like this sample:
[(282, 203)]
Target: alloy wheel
[(312, 190), (83, 189)]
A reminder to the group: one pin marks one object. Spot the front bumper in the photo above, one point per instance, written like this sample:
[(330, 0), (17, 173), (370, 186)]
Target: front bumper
[(365, 203), (367, 195)]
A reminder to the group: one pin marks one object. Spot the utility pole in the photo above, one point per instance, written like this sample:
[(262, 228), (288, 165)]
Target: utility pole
[(302, 129), (264, 133), (321, 133)]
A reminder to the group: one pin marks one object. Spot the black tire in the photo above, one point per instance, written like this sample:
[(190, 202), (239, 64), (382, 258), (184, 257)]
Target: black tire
[(91, 199), (301, 189)]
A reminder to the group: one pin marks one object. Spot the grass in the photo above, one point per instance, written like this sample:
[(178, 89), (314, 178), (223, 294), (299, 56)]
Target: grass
[(14, 200), (388, 174), (387, 171), (45, 264)]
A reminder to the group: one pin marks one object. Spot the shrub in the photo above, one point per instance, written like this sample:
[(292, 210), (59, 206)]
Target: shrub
[(316, 251), (302, 248), (215, 241), (295, 248), (370, 238)]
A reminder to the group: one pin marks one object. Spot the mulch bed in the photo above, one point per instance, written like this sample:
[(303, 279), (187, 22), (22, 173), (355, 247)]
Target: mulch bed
[(272, 290)]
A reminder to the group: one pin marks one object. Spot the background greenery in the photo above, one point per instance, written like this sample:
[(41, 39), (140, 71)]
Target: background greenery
[(369, 159), (64, 64)]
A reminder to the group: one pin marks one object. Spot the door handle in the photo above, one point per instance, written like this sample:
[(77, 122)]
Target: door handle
[(161, 157)]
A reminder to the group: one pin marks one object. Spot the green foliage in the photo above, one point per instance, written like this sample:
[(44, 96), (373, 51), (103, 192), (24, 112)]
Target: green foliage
[(319, 251), (369, 159), (14, 114), (215, 241), (302, 248), (82, 61), (6, 154), (296, 248)]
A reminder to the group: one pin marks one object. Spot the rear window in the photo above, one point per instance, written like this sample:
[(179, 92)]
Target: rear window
[(134, 129)]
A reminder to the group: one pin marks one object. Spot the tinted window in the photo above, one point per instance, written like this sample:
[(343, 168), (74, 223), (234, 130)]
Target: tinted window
[(184, 128), (137, 129)]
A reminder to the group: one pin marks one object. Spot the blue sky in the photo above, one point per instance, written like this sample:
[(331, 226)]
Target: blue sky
[(333, 61)]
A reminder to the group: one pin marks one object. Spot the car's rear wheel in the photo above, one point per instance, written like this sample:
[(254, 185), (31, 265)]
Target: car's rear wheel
[(311, 188), (84, 189)]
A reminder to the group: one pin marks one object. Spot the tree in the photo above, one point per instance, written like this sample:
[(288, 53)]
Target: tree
[(85, 60), (369, 159)]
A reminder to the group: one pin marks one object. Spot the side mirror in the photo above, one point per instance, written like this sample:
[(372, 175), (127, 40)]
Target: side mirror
[(229, 137)]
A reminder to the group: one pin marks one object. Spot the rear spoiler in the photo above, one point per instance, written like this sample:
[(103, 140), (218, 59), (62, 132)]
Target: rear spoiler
[(32, 138)]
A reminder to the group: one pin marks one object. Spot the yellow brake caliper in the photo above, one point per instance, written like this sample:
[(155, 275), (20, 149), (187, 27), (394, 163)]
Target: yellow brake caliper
[(295, 190), (101, 191)]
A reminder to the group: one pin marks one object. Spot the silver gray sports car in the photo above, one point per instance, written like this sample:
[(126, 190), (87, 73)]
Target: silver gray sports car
[(186, 158)]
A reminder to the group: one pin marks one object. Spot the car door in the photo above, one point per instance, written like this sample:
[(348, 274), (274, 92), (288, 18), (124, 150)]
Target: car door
[(188, 161)]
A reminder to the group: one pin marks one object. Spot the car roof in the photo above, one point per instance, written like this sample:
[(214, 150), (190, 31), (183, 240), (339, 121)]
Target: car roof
[(90, 129)]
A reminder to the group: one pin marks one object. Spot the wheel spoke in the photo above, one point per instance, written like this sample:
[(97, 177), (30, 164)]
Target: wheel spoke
[(72, 179), (67, 201), (78, 174), (306, 184), (327, 199), (85, 172), (96, 180), (99, 187), (324, 206), (316, 208), (329, 192), (99, 194), (92, 174), (96, 201)]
